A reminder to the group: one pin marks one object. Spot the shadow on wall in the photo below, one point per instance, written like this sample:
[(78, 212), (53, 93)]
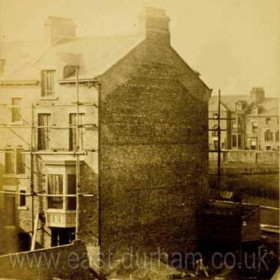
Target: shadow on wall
[(89, 209), (12, 238), (7, 234)]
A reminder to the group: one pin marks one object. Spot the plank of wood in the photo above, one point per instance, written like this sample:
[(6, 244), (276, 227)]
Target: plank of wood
[(34, 233)]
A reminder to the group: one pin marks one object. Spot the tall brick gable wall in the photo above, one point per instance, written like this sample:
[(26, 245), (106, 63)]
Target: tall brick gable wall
[(153, 152)]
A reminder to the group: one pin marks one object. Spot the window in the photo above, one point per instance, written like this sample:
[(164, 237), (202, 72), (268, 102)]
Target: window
[(239, 141), (16, 116), (14, 161), (73, 131), (216, 144), (71, 190), (254, 126), (69, 70), (20, 161), (239, 121), (234, 124), (253, 144), (267, 120), (268, 135), (255, 111), (43, 131), (238, 106), (268, 148), (47, 83), (9, 161), (22, 198), (277, 136), (55, 187), (215, 131), (234, 140)]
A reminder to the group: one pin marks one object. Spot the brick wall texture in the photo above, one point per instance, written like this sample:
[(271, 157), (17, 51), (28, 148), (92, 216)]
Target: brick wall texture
[(153, 152)]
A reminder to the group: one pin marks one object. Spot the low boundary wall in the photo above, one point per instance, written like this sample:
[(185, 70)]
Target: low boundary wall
[(65, 262)]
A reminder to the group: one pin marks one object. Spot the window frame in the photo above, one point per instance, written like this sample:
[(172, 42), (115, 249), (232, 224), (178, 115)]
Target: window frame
[(234, 142), (255, 126), (16, 111), (268, 120), (277, 136), (73, 131), (215, 131), (9, 151), (51, 199), (238, 106), (255, 111), (16, 154), (67, 191), (268, 136), (48, 76), (24, 206), (64, 200), (44, 130)]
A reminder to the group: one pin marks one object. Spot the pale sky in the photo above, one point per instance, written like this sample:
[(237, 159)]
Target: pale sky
[(231, 43)]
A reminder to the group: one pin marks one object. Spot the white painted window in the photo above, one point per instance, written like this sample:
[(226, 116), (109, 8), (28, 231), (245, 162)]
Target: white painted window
[(16, 114), (55, 187), (14, 161), (47, 83)]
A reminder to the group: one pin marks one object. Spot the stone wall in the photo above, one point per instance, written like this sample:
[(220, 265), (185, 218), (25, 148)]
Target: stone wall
[(246, 156)]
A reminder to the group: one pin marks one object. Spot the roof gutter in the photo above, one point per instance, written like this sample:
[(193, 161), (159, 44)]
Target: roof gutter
[(20, 82), (73, 81)]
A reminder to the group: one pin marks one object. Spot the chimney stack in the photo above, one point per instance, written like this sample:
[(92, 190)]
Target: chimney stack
[(155, 25), (257, 95), (59, 29)]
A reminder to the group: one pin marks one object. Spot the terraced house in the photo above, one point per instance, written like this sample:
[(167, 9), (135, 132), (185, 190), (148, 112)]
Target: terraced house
[(102, 139), (251, 121)]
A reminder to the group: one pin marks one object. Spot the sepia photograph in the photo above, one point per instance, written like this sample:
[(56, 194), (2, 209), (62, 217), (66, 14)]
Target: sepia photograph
[(139, 139)]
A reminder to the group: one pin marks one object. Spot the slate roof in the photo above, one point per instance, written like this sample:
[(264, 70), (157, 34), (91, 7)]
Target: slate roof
[(268, 107), (19, 55), (22, 59)]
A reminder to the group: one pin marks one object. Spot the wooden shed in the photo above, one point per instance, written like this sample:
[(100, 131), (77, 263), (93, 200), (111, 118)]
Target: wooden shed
[(229, 225)]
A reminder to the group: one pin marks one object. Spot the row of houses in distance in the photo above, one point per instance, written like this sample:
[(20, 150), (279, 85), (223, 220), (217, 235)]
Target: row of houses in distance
[(249, 122)]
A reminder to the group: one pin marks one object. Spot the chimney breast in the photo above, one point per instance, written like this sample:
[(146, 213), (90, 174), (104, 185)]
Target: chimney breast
[(59, 29), (257, 94), (155, 25)]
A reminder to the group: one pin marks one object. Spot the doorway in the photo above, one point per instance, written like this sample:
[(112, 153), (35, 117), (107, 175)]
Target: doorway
[(10, 209)]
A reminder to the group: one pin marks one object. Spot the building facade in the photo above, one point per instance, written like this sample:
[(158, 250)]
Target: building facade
[(106, 127), (252, 121)]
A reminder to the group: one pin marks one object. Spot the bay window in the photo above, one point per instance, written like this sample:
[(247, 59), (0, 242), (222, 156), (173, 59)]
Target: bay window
[(55, 187)]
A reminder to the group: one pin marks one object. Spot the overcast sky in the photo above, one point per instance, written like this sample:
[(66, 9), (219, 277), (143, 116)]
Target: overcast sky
[(231, 43)]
